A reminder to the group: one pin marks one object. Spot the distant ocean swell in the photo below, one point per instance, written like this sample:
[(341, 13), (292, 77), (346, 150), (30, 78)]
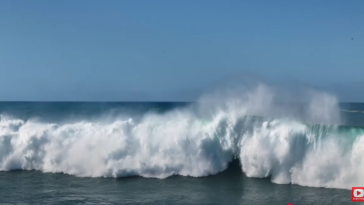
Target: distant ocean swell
[(197, 141)]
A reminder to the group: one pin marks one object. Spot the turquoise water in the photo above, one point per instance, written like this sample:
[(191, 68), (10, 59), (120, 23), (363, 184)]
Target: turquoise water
[(175, 153)]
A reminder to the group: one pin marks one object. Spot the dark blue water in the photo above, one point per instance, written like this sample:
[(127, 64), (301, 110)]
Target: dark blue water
[(352, 114), (31, 187), (70, 153)]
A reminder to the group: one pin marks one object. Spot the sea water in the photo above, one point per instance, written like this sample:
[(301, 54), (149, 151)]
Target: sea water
[(248, 151)]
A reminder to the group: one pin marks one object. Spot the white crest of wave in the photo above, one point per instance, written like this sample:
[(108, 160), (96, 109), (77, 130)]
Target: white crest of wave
[(196, 141), (157, 146)]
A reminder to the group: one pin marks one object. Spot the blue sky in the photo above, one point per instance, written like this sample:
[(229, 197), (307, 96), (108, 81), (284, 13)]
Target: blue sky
[(171, 50)]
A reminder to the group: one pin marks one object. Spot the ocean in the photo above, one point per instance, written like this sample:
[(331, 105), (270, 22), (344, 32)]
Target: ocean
[(236, 152)]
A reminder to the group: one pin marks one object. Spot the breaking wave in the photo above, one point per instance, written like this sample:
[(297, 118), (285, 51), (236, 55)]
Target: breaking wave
[(270, 140)]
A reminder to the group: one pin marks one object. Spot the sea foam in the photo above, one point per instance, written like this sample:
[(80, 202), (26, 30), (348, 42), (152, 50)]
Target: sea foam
[(270, 140)]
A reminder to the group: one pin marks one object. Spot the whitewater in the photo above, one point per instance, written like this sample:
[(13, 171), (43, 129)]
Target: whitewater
[(305, 146)]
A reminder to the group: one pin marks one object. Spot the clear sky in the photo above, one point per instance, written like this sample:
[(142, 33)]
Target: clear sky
[(170, 50)]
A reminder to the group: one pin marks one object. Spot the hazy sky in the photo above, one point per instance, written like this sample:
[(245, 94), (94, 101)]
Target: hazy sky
[(170, 50)]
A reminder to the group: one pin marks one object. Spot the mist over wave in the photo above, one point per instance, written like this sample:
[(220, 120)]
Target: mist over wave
[(271, 138)]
